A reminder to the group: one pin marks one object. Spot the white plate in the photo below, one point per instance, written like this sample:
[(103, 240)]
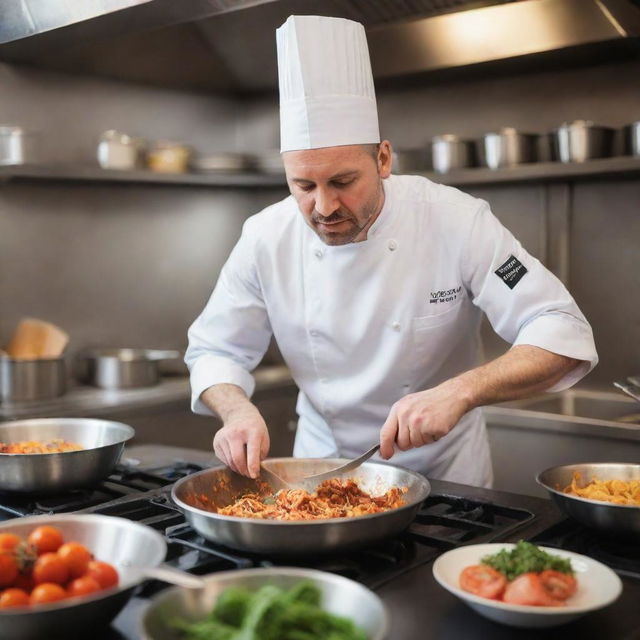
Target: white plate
[(598, 586)]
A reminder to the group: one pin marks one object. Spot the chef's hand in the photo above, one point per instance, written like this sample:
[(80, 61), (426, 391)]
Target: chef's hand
[(243, 441), (422, 418)]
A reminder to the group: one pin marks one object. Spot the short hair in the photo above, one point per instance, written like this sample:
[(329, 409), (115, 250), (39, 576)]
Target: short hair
[(372, 149)]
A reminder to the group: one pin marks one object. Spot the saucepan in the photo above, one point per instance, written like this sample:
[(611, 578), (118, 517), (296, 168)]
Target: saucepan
[(198, 494), (102, 443), (607, 517), (129, 546)]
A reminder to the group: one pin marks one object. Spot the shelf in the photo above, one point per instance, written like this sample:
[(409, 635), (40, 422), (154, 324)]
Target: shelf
[(622, 166), (618, 167), (96, 174)]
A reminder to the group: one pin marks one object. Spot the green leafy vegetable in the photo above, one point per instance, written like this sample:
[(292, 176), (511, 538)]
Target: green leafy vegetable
[(270, 613), (524, 558)]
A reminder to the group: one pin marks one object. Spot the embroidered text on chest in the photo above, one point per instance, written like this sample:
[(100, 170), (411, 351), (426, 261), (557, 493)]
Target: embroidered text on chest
[(444, 295)]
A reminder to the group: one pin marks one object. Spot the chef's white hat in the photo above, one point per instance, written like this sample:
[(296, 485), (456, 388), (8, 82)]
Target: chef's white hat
[(327, 97)]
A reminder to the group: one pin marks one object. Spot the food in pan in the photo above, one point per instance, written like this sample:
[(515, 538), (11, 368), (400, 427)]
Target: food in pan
[(270, 613), (334, 498), (616, 491), (56, 445), (526, 575), (44, 569)]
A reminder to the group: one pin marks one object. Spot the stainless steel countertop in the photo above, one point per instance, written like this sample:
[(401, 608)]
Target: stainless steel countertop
[(91, 401)]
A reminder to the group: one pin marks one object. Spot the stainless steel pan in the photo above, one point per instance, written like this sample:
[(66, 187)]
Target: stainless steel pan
[(616, 519), (103, 442), (121, 542), (221, 486)]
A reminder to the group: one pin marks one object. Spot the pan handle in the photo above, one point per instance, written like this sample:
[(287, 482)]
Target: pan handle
[(168, 574)]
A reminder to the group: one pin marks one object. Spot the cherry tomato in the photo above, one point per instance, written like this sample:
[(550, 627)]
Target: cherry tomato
[(24, 581), (14, 598), (527, 589), (83, 586), (9, 541), (77, 558), (483, 580), (50, 567), (47, 592), (46, 539), (8, 569), (558, 585), (103, 573)]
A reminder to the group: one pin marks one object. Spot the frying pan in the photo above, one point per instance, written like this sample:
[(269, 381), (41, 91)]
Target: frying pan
[(220, 486)]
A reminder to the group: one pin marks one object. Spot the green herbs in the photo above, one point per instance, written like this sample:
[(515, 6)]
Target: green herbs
[(526, 557), (270, 613)]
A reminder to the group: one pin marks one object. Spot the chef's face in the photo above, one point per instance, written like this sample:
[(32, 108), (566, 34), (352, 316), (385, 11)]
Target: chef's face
[(339, 189)]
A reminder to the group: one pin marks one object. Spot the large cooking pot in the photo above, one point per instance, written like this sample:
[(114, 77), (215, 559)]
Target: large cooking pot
[(581, 140), (26, 380), (127, 545), (507, 148), (607, 517), (102, 442), (221, 487)]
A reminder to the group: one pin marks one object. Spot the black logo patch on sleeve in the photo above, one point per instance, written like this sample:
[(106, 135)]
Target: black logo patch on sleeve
[(511, 271)]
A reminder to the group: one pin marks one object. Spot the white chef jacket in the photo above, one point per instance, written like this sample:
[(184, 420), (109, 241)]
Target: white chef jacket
[(363, 324)]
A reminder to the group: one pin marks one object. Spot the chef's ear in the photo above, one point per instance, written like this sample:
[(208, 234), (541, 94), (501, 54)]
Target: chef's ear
[(384, 159)]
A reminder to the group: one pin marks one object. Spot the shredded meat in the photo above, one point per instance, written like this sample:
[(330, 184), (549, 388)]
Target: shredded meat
[(334, 498)]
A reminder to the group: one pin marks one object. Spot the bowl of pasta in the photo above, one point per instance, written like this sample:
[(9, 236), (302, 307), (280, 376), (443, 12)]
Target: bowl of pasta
[(602, 495)]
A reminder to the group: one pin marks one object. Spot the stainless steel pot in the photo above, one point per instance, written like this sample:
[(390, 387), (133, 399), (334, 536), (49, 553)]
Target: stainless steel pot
[(407, 160), (125, 368), (340, 596), (607, 517), (451, 152), (103, 442), (126, 544), (17, 146), (28, 380), (580, 141), (507, 148), (221, 486), (632, 139)]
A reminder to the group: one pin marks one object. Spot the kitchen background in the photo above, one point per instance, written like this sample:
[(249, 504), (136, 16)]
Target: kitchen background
[(119, 263)]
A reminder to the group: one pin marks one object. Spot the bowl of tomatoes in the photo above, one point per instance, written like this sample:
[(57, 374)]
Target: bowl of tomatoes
[(523, 585), (60, 574)]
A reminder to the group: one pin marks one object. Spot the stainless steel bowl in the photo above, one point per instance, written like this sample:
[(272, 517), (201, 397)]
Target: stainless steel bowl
[(632, 139), (507, 148), (449, 152), (580, 141), (607, 517), (103, 442), (221, 487), (340, 596), (30, 380), (121, 542), (125, 368)]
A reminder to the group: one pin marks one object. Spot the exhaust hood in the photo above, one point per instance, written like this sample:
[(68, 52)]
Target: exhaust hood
[(229, 45)]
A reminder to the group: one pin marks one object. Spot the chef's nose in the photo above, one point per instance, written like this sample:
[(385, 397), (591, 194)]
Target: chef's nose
[(326, 201)]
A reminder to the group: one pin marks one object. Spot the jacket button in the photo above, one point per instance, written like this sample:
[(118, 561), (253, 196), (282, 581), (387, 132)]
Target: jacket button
[(313, 333), (318, 253), (393, 245), (395, 325)]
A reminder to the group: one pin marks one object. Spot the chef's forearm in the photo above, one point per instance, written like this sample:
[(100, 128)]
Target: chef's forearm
[(227, 401), (522, 371)]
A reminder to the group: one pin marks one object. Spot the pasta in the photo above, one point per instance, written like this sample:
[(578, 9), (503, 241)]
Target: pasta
[(334, 498), (35, 446), (616, 491)]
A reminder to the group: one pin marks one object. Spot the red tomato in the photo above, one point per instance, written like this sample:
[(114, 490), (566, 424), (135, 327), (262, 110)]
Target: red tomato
[(558, 585), (9, 541), (46, 539), (482, 580), (103, 573), (8, 569), (47, 592), (24, 581), (14, 598), (528, 589), (83, 586), (50, 567), (76, 557)]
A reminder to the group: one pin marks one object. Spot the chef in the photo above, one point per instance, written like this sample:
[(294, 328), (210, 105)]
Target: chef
[(374, 286)]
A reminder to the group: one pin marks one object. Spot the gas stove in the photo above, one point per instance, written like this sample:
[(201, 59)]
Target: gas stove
[(399, 569)]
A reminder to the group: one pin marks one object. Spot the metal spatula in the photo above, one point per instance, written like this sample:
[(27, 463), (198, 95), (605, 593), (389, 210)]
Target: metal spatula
[(345, 468)]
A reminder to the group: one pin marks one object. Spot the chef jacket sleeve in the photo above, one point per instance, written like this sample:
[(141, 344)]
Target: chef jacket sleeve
[(524, 301), (231, 335)]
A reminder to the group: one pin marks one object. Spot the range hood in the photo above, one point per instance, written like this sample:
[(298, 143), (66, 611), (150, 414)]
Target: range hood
[(229, 45)]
